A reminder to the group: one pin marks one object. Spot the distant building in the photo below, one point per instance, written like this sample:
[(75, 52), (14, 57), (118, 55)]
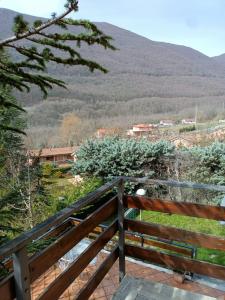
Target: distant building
[(167, 123), (53, 155), (141, 130), (188, 121)]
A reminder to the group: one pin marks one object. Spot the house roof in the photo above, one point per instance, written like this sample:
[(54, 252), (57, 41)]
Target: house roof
[(143, 125), (52, 151), (167, 121)]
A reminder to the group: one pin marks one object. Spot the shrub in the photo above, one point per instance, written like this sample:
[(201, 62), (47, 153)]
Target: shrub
[(114, 156), (47, 169), (187, 128)]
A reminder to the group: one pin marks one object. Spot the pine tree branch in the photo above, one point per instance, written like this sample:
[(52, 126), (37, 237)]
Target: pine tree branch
[(73, 6)]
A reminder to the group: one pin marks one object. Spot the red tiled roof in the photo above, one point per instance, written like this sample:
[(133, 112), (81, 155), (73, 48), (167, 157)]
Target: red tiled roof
[(52, 151), (142, 125)]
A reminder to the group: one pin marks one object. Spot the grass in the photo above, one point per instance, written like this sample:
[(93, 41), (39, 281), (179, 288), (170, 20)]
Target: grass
[(192, 224)]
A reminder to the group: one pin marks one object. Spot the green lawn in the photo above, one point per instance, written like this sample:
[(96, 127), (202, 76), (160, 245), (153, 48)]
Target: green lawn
[(192, 224)]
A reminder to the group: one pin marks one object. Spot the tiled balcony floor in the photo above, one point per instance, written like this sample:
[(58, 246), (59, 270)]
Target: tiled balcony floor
[(111, 282)]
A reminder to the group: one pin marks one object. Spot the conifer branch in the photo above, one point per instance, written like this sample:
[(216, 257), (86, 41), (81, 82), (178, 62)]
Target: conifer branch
[(72, 6)]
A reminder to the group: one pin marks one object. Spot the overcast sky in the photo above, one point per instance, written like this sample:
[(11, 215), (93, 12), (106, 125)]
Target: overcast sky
[(199, 24)]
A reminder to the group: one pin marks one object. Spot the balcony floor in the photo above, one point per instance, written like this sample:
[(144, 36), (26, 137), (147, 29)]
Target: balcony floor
[(140, 289), (110, 283)]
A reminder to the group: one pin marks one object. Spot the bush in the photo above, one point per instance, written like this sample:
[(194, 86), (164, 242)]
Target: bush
[(114, 156), (47, 170), (187, 129), (57, 174), (78, 191)]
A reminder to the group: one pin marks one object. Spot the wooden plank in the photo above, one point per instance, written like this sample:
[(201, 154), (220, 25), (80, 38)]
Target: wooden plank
[(21, 275), (172, 233), (63, 281), (180, 208), (98, 276), (174, 183), (159, 244), (44, 260), (139, 239), (176, 262), (7, 288), (58, 218), (55, 232), (121, 231)]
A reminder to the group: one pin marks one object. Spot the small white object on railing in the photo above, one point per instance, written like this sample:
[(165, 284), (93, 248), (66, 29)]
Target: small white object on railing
[(141, 192)]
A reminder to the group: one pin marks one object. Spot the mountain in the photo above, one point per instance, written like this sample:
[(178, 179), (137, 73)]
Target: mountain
[(220, 59), (146, 81)]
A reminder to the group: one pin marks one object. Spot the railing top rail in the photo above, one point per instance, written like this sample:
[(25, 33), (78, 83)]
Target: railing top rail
[(174, 183), (61, 216)]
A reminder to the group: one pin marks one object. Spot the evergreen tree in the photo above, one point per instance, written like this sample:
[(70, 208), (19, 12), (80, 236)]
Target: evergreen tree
[(43, 47)]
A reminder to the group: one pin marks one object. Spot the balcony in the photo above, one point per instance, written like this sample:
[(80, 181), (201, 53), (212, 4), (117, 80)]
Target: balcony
[(124, 257)]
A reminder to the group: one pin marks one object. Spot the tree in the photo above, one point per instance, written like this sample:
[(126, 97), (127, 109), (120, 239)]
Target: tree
[(69, 130), (114, 156), (36, 45), (44, 46)]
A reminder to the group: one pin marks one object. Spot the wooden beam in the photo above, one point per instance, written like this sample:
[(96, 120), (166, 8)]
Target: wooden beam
[(21, 275), (25, 238), (138, 238), (159, 244), (98, 276), (44, 260), (176, 262), (55, 232), (7, 288), (63, 281), (174, 183), (180, 208), (172, 233), (121, 231)]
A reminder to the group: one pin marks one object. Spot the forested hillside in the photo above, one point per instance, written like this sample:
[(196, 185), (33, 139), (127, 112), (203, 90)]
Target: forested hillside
[(147, 81)]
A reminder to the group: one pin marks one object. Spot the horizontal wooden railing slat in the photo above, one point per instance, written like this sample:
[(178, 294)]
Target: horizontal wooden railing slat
[(63, 281), (55, 232), (141, 239), (98, 276), (7, 288), (58, 218), (172, 233), (43, 261), (159, 244), (176, 262), (180, 208), (174, 183)]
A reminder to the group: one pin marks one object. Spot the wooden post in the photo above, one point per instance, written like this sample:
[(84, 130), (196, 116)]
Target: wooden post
[(21, 274), (121, 230)]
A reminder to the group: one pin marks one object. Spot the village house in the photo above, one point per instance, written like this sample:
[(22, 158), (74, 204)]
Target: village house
[(141, 130), (188, 121), (53, 155), (167, 123)]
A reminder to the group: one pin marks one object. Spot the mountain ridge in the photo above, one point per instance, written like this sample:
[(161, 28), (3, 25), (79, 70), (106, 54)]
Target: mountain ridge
[(147, 80)]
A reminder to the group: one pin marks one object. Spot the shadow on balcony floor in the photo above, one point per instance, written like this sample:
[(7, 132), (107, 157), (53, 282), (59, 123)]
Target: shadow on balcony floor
[(139, 289)]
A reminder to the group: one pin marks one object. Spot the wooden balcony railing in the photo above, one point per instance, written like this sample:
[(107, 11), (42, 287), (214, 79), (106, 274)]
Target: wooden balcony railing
[(26, 269)]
